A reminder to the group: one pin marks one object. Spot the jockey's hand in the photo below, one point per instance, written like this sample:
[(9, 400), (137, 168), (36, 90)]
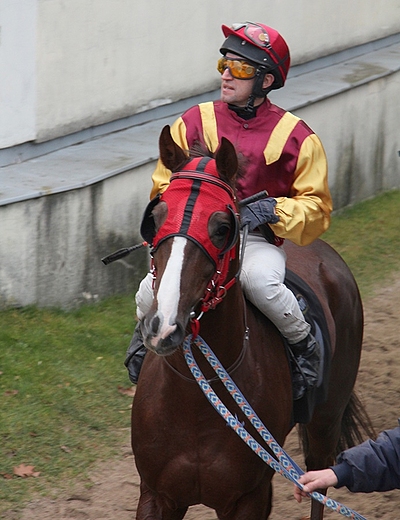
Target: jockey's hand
[(313, 480), (259, 212)]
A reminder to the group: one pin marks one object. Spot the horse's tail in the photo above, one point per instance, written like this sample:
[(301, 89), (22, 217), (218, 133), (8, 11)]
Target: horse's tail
[(356, 426)]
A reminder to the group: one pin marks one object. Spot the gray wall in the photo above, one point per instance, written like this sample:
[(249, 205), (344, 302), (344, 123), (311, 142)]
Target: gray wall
[(69, 65), (62, 212), (51, 246)]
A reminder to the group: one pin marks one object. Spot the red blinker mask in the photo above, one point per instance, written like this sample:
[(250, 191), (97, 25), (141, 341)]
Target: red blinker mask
[(195, 193)]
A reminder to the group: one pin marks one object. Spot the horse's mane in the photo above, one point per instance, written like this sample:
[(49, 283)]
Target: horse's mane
[(199, 149)]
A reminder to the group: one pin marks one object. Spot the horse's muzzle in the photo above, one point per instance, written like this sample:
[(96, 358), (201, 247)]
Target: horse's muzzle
[(162, 339)]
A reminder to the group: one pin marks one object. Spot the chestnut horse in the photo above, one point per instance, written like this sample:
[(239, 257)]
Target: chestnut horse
[(184, 451)]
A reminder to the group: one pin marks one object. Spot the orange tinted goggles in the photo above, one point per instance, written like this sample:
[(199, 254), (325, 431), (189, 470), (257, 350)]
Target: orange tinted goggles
[(239, 69)]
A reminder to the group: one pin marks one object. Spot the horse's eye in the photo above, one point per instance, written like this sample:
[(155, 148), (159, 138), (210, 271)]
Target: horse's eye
[(218, 238), (222, 230), (219, 227)]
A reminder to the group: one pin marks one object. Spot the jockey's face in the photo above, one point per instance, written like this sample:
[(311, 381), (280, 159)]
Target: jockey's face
[(237, 91)]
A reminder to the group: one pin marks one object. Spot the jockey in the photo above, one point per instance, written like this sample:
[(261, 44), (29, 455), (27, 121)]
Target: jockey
[(279, 154)]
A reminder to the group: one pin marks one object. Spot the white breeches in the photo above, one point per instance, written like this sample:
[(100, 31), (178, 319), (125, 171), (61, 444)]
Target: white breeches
[(144, 296), (262, 276)]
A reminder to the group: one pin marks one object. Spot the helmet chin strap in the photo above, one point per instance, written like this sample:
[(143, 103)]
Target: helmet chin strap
[(257, 91), (250, 103)]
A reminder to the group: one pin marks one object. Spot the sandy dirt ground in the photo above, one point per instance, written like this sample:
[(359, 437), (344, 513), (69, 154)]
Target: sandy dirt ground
[(115, 484)]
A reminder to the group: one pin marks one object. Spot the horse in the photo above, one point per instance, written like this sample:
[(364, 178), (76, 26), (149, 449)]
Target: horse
[(184, 452)]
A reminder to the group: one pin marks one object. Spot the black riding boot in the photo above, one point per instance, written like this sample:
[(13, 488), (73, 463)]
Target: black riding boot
[(305, 362), (135, 355)]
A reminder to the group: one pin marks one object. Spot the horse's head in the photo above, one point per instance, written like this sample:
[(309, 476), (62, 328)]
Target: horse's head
[(193, 228)]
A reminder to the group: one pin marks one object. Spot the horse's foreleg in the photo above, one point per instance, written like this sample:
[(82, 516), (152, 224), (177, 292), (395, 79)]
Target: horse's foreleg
[(321, 439), (317, 509), (151, 507), (147, 506)]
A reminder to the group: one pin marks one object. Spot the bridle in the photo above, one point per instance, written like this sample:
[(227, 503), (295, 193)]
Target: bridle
[(218, 286), (216, 291)]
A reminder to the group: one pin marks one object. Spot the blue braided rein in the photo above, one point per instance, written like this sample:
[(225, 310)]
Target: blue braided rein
[(286, 465)]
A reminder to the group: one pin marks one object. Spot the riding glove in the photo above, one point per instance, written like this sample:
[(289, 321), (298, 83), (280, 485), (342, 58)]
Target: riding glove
[(257, 213)]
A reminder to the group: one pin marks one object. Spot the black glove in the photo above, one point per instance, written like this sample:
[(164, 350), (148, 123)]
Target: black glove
[(258, 213)]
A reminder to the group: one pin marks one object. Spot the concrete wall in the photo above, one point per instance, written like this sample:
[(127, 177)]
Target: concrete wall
[(358, 125), (51, 247), (73, 64), (363, 154)]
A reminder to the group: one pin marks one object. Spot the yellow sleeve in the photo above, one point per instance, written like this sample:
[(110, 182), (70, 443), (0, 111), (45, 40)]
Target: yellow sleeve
[(305, 215), (161, 174)]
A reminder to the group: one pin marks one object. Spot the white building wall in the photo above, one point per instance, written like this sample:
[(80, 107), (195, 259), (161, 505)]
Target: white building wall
[(70, 65), (67, 65), (17, 71)]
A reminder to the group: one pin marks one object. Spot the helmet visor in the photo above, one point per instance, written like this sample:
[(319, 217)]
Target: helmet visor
[(239, 69)]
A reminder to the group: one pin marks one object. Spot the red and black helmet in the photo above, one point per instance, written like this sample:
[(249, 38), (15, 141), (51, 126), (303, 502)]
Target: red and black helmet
[(259, 44)]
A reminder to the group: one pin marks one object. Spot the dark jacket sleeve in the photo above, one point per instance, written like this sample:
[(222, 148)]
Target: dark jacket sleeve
[(372, 465)]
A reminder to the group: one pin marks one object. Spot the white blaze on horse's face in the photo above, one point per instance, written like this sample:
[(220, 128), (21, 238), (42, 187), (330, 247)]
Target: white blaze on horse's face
[(169, 292)]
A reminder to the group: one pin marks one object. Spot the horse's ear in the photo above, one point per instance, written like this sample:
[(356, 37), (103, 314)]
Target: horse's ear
[(172, 156), (226, 160)]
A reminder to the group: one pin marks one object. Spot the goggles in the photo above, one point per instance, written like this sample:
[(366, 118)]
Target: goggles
[(254, 32), (239, 69)]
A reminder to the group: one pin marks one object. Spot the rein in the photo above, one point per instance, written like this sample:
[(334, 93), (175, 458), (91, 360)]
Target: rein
[(282, 463), (235, 365)]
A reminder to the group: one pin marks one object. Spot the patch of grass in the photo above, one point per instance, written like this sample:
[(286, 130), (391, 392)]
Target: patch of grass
[(368, 238), (60, 409)]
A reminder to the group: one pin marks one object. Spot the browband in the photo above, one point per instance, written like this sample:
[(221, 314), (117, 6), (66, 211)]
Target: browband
[(192, 174)]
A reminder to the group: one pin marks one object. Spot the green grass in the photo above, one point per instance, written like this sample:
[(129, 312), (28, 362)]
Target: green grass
[(368, 238), (60, 408)]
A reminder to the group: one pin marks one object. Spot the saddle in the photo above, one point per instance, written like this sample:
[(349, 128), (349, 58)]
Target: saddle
[(313, 313)]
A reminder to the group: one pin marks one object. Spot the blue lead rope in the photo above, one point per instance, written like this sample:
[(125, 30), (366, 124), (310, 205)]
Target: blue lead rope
[(286, 465)]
